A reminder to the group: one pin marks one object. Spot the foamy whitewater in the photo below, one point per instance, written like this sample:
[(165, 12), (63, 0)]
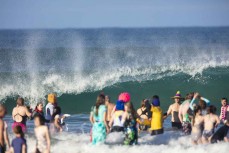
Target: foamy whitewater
[(77, 64), (76, 138)]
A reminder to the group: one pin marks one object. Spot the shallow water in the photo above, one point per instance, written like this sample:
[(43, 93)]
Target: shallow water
[(76, 140)]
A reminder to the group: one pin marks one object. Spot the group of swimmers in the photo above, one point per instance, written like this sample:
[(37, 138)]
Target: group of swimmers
[(50, 122), (199, 120), (196, 119)]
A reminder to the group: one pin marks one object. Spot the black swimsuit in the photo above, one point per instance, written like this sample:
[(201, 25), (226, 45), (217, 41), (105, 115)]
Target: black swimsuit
[(24, 119)]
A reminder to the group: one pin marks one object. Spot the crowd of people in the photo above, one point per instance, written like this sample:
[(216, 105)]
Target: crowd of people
[(45, 123), (197, 119)]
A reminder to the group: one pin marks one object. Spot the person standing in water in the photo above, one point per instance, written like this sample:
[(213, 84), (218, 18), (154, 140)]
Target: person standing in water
[(157, 117), (184, 114), (144, 114), (42, 135), (20, 114), (131, 132), (118, 119), (39, 111), (3, 133), (224, 110), (98, 120), (110, 106), (197, 124), (50, 106), (222, 134), (174, 111), (18, 143), (211, 121), (57, 125)]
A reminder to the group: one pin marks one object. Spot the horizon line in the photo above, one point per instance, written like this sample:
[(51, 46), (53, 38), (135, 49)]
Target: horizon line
[(115, 27)]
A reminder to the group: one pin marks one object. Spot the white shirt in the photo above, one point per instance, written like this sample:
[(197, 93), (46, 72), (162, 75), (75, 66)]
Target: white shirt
[(49, 111)]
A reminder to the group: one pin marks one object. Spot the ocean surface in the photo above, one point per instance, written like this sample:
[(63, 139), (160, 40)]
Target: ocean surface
[(78, 64)]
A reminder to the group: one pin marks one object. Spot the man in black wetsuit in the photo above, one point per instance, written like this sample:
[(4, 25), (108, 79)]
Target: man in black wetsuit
[(222, 134)]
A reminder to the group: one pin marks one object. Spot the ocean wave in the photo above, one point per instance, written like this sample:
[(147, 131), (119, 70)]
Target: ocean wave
[(75, 61)]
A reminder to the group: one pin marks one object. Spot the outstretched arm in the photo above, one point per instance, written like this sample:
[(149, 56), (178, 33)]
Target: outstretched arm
[(206, 100)]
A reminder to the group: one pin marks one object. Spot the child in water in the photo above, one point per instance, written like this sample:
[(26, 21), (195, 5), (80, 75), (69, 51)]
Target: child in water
[(18, 143), (42, 135)]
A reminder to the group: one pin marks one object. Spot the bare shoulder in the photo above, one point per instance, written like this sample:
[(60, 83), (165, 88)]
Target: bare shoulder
[(216, 116), (111, 105)]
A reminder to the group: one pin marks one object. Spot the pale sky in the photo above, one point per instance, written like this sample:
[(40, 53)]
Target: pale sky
[(17, 14)]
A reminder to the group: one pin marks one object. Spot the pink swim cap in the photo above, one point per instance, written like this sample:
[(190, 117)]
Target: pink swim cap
[(125, 97)]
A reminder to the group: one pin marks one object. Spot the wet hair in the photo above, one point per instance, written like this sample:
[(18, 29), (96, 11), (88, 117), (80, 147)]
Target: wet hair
[(211, 109), (2, 110), (189, 96), (131, 110), (20, 101), (18, 130), (202, 104), (39, 103), (196, 110), (155, 97), (224, 98), (99, 101), (143, 103), (107, 96), (41, 119)]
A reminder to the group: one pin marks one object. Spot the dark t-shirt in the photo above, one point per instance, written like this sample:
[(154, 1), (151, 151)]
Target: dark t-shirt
[(220, 134), (17, 144)]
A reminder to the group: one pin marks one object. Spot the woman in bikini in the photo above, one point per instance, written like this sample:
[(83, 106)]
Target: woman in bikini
[(144, 113), (20, 114)]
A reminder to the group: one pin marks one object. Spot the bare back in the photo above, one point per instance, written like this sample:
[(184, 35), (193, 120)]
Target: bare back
[(210, 121), (199, 121), (183, 110), (19, 112), (110, 107), (43, 139)]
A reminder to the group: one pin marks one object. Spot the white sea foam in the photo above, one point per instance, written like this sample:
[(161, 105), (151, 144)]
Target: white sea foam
[(170, 142)]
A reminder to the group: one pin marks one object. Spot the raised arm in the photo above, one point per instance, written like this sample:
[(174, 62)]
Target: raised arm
[(206, 100), (193, 100)]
